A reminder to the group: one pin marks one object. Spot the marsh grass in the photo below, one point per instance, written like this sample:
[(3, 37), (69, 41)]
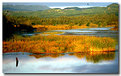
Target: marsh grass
[(52, 33), (58, 44), (65, 27)]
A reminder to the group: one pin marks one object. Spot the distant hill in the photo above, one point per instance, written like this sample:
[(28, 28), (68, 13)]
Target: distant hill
[(114, 5), (113, 8), (76, 8), (25, 7), (70, 11)]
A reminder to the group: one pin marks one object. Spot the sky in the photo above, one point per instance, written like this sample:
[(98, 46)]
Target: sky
[(63, 5)]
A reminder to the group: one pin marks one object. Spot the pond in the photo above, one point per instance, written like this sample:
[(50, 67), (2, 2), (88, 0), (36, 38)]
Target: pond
[(100, 32), (92, 62)]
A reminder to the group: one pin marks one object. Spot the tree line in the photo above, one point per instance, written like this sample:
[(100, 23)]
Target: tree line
[(99, 19)]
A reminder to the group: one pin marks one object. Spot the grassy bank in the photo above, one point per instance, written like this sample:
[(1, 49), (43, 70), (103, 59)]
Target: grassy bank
[(65, 27), (58, 44)]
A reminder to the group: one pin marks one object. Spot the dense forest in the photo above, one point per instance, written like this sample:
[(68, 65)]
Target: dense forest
[(100, 19)]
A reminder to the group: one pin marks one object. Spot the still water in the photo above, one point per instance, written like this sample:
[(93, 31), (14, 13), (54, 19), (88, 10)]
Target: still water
[(93, 62), (61, 63), (100, 32), (106, 62)]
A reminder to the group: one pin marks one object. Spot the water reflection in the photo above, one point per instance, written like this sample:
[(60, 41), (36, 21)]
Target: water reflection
[(94, 57), (91, 62), (46, 55), (100, 56)]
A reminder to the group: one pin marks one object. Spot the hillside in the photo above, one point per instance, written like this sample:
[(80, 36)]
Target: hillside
[(73, 11), (102, 16), (25, 7)]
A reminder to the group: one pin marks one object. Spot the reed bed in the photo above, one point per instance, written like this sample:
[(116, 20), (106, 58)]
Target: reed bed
[(65, 27), (59, 44)]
